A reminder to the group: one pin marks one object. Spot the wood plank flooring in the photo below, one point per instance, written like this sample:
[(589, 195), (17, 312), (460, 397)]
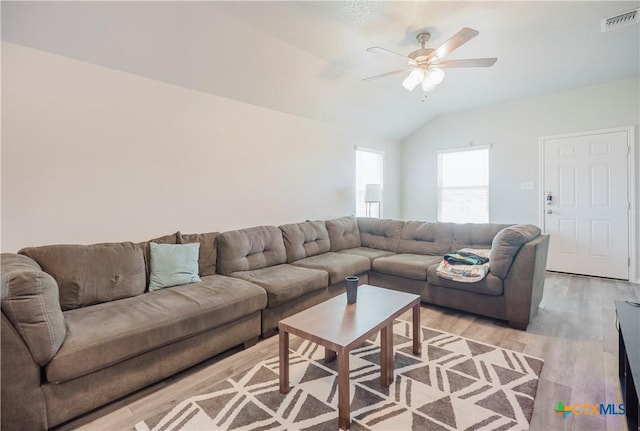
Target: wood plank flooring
[(574, 332)]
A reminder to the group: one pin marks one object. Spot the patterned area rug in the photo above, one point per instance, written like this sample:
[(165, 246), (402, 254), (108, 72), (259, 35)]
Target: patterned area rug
[(458, 384)]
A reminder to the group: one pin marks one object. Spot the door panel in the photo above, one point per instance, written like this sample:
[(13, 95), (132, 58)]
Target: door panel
[(568, 186), (568, 236), (601, 238), (600, 185), (587, 215)]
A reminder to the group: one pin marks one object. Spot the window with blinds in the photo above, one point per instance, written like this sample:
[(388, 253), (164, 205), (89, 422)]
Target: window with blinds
[(463, 185)]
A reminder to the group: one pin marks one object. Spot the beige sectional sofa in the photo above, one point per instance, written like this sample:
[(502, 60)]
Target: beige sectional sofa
[(80, 328)]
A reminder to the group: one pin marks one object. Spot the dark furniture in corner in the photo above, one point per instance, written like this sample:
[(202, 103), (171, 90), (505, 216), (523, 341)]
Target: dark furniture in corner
[(629, 359)]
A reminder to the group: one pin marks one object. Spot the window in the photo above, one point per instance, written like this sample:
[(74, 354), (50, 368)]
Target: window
[(463, 185), (368, 171)]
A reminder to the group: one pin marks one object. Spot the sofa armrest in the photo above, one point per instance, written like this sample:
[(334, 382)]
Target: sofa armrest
[(524, 284), (30, 301), (22, 401), (506, 244)]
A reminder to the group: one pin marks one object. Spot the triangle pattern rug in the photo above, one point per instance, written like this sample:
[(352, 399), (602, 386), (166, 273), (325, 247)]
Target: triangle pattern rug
[(457, 384)]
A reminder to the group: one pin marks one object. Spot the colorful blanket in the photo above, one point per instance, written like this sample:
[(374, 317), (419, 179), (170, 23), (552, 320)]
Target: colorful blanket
[(465, 273)]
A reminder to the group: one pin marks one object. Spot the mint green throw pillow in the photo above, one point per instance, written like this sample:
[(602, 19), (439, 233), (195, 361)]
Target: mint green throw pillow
[(173, 264)]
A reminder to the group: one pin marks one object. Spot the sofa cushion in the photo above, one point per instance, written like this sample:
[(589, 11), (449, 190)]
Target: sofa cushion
[(31, 303), (165, 239), (406, 265), (338, 265), (91, 274), (106, 334), (173, 265), (248, 249), (305, 239), (426, 238), (343, 233), (490, 285), (208, 251), (381, 234), (286, 282), (475, 235), (506, 245), (370, 253)]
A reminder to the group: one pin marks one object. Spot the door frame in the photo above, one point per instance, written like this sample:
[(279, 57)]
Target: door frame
[(631, 186)]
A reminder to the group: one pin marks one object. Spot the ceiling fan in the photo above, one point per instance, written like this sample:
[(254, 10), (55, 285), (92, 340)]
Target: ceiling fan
[(425, 64)]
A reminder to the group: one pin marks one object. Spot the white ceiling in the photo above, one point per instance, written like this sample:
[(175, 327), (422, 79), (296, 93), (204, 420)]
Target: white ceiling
[(308, 58)]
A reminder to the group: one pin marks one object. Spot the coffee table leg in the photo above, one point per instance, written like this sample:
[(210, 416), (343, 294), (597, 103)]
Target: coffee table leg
[(344, 405), (386, 355), (329, 355), (284, 361), (417, 339)]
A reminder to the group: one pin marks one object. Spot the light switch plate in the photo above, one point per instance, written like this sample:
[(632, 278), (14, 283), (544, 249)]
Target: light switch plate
[(526, 185)]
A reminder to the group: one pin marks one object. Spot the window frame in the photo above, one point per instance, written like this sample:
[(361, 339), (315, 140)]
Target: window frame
[(440, 188), (360, 192)]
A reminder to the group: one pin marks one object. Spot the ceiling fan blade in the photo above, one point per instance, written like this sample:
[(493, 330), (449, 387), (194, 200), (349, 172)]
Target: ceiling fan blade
[(384, 51), (469, 62), (456, 41), (384, 75)]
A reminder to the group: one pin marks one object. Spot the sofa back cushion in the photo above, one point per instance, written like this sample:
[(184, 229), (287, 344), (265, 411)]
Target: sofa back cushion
[(506, 245), (208, 250), (249, 249), (91, 274), (426, 238), (475, 235), (343, 233), (305, 239), (31, 303), (380, 234)]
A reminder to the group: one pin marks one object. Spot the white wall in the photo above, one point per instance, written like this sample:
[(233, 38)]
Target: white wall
[(91, 154), (513, 128)]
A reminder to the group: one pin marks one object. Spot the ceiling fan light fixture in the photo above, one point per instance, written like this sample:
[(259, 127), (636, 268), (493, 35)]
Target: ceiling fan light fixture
[(432, 77), (415, 77), (436, 75), (428, 85), (409, 84)]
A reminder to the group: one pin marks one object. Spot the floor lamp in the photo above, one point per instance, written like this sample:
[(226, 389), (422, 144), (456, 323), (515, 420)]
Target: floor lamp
[(372, 194)]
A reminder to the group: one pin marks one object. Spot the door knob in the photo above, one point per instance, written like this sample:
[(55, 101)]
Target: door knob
[(549, 211)]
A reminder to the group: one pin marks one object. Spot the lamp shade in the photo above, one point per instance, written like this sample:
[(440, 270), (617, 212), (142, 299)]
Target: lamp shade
[(373, 193), (435, 75), (428, 85), (414, 78)]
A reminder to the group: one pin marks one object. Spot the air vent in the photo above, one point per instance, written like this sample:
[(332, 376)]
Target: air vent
[(621, 20)]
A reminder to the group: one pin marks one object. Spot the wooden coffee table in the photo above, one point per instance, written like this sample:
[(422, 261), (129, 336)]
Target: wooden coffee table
[(339, 327)]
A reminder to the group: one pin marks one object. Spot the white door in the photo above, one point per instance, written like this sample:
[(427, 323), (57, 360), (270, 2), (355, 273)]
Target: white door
[(586, 203)]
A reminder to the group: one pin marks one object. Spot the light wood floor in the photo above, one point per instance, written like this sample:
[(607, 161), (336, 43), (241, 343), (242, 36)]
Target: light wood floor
[(574, 332)]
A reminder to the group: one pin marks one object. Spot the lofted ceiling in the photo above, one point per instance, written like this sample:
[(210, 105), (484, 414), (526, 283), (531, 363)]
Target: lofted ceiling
[(308, 58)]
